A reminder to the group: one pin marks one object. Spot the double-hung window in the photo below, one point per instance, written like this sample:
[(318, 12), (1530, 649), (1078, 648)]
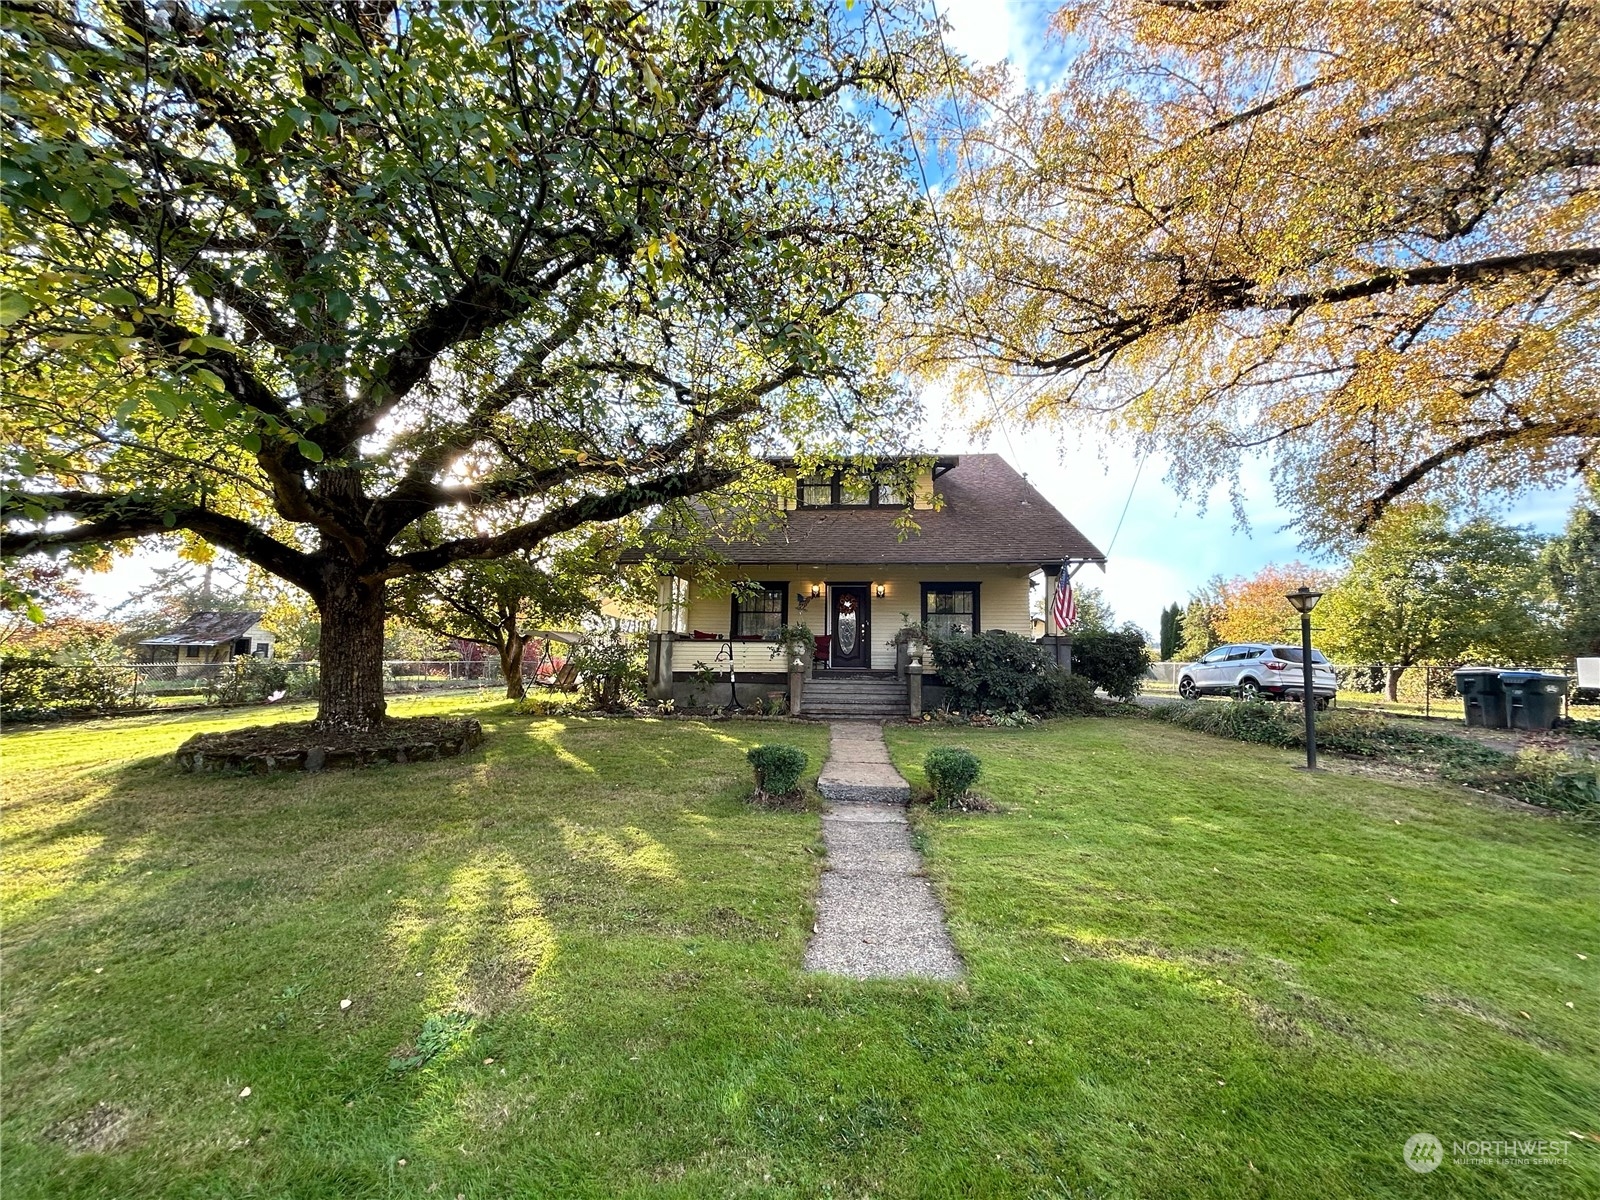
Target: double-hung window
[(759, 609), (950, 608)]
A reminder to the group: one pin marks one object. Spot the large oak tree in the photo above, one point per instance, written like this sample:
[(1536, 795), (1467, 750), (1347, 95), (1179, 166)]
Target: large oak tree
[(1361, 235), (292, 277)]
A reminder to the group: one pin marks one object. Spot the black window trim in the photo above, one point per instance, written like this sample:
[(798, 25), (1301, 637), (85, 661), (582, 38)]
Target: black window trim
[(835, 485), (781, 586), (941, 586)]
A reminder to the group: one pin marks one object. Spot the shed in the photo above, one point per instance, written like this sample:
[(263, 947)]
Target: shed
[(210, 637)]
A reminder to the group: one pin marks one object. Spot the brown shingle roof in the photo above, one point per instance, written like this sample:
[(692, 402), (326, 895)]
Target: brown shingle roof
[(991, 514)]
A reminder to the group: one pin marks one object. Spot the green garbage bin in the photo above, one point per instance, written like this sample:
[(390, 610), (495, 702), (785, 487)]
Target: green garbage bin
[(1482, 696), (1533, 698)]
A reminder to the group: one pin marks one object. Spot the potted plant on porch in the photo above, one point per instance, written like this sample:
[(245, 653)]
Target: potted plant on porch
[(911, 643)]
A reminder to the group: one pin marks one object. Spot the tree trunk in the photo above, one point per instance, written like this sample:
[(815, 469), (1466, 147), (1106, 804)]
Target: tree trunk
[(1392, 687), (511, 651), (351, 654)]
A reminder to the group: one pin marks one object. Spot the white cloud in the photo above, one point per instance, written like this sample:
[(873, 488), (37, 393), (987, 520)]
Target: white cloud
[(986, 31)]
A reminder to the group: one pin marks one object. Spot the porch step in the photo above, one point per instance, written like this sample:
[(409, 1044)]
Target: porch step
[(854, 697)]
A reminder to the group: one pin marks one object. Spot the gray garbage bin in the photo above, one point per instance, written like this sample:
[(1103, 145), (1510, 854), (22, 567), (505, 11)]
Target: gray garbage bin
[(1482, 696), (1533, 698)]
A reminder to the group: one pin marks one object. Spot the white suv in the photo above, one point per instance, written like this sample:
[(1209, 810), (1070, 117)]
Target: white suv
[(1258, 671)]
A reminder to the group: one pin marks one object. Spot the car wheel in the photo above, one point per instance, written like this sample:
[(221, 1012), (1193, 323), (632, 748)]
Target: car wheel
[(1249, 689), (1186, 688), (1324, 703)]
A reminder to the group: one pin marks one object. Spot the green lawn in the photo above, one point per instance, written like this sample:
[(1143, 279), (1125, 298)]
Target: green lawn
[(1186, 975)]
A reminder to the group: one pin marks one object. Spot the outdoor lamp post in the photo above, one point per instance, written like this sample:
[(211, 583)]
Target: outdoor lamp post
[(1304, 600)]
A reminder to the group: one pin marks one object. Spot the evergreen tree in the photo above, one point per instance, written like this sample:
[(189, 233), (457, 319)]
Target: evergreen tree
[(1572, 561)]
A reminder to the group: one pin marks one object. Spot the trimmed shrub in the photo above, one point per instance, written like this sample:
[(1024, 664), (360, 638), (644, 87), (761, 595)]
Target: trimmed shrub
[(951, 770), (994, 671), (1113, 659), (1058, 693), (778, 768)]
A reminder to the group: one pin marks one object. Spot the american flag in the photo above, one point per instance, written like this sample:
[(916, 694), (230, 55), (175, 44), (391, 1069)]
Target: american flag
[(1066, 609)]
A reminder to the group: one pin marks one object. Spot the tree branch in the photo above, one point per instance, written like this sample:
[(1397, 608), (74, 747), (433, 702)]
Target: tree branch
[(105, 518), (1241, 295), (1581, 427), (607, 507)]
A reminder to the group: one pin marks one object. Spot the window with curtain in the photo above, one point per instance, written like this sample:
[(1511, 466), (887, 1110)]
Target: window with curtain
[(950, 608), (759, 610), (816, 491)]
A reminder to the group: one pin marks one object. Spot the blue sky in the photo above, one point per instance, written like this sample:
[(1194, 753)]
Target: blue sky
[(1167, 546)]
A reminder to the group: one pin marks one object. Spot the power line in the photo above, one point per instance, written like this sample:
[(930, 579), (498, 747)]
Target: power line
[(1138, 471), (927, 192)]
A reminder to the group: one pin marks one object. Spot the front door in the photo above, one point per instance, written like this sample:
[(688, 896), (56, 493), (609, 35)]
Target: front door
[(851, 626)]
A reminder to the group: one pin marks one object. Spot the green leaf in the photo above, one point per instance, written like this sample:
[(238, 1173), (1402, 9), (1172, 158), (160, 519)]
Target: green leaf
[(77, 206), (282, 130), (310, 450), (13, 307), (339, 305), (210, 379)]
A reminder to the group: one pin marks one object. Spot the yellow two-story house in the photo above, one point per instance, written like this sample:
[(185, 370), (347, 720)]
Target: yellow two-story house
[(833, 559)]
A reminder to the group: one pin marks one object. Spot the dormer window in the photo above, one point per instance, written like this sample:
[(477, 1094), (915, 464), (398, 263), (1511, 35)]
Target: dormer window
[(816, 491), (834, 490)]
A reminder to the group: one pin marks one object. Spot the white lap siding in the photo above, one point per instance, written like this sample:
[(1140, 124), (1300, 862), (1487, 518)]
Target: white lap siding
[(1002, 597)]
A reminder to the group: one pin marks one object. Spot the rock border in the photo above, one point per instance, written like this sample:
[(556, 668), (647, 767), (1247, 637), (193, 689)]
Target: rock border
[(268, 749)]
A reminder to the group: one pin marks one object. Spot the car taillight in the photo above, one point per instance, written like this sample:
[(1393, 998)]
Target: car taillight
[(1277, 666)]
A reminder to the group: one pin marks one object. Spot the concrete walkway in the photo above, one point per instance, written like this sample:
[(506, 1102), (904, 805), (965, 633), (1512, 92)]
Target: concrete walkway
[(877, 916)]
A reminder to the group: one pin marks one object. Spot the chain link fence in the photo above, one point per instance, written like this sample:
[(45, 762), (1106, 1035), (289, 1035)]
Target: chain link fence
[(41, 690)]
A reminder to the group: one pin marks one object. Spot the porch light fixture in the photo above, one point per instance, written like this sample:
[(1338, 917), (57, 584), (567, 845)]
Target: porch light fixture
[(882, 589), (803, 600), (816, 590), (1304, 600)]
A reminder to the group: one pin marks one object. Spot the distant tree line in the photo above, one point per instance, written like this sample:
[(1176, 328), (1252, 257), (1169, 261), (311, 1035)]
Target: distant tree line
[(1420, 589)]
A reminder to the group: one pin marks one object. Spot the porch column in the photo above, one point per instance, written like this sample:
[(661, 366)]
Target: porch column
[(1052, 580), (658, 665), (666, 603)]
